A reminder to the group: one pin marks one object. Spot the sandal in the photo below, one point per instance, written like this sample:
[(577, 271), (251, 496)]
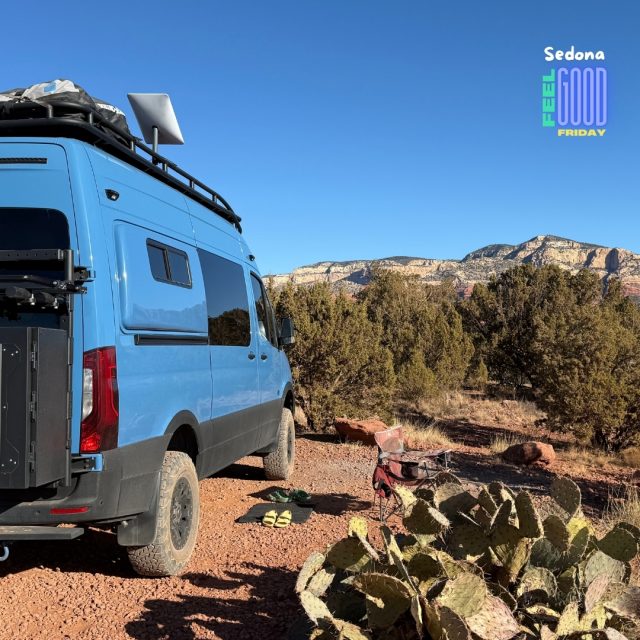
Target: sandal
[(284, 520), (270, 518)]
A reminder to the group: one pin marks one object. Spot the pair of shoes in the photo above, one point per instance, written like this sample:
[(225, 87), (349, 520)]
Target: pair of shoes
[(272, 519), (292, 495)]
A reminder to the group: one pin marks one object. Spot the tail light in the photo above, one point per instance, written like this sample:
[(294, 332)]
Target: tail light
[(99, 428)]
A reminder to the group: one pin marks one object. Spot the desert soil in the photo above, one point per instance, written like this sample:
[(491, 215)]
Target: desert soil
[(240, 582)]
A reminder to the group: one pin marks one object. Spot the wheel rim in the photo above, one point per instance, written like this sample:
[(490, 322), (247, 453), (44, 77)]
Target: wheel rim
[(181, 513)]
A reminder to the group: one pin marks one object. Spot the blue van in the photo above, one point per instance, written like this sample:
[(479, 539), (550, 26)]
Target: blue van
[(139, 351)]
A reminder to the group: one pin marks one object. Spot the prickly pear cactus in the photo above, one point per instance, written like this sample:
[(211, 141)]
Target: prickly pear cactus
[(476, 565)]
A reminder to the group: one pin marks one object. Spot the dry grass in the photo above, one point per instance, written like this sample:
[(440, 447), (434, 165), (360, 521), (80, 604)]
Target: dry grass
[(624, 507), (502, 442), (585, 456), (631, 457), (589, 457), (425, 436), (461, 406)]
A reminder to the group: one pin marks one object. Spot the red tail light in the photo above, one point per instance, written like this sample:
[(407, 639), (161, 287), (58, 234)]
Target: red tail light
[(99, 429)]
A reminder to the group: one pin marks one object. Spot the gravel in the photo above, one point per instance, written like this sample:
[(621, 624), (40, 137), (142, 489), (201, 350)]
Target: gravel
[(239, 583)]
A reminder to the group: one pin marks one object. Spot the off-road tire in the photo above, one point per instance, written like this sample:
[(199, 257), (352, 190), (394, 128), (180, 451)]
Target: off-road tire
[(177, 516), (278, 465)]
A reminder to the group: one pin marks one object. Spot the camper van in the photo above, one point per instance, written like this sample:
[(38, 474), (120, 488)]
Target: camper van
[(139, 352)]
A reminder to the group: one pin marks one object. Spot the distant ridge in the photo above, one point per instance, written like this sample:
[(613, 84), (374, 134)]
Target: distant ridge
[(480, 265)]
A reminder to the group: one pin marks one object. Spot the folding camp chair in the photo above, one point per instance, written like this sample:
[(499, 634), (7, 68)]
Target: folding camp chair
[(395, 466)]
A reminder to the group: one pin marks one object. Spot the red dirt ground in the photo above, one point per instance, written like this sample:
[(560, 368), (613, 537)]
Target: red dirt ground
[(240, 582)]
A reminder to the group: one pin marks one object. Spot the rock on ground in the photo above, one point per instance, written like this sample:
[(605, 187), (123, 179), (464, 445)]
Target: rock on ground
[(528, 453), (359, 430)]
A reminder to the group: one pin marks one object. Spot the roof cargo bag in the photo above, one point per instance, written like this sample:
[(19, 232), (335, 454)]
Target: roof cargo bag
[(60, 92)]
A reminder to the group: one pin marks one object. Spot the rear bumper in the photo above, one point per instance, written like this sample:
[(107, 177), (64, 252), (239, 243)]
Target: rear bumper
[(124, 487)]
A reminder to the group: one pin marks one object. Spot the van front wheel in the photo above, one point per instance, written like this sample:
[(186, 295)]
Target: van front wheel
[(177, 518), (278, 465)]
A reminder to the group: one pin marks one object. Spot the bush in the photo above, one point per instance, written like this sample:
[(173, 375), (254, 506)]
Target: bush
[(422, 329), (556, 336), (339, 364)]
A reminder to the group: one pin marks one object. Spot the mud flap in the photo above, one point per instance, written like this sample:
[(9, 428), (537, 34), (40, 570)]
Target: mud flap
[(140, 530)]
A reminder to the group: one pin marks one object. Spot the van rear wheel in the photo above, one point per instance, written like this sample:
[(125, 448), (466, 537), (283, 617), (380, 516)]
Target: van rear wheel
[(278, 465), (177, 518)]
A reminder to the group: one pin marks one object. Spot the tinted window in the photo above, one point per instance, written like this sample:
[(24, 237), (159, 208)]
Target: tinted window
[(168, 264), (179, 268), (33, 229), (227, 301), (24, 229), (266, 324), (157, 262)]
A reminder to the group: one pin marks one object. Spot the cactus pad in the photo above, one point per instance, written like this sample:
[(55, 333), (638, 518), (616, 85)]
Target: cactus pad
[(315, 608), (348, 554), (311, 566), (467, 539), (566, 494), (465, 595), (486, 501), (632, 529), (387, 598), (619, 544), (498, 492), (349, 631), (358, 527), (451, 499), (599, 563), (529, 521), (406, 497), (494, 621), (445, 477), (502, 515), (321, 581), (577, 547), (537, 585), (453, 625), (556, 532), (424, 519)]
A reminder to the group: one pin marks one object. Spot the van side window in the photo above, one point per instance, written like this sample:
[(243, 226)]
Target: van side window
[(227, 301), (266, 321), (168, 264)]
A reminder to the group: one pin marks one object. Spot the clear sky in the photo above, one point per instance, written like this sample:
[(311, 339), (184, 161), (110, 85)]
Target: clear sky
[(344, 129)]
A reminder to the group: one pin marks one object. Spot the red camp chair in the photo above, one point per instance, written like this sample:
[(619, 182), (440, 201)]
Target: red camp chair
[(411, 469)]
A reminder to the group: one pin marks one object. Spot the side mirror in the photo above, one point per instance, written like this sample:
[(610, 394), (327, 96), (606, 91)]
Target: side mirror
[(287, 334)]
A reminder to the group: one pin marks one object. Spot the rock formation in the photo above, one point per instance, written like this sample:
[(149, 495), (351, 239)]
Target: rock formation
[(480, 265)]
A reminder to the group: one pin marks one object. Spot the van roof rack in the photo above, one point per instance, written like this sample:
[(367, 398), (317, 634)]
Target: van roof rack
[(66, 120)]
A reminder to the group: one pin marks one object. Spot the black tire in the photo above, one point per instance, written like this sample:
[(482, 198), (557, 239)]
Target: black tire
[(178, 515), (278, 465)]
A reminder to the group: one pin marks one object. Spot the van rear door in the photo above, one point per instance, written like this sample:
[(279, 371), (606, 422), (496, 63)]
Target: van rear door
[(36, 214)]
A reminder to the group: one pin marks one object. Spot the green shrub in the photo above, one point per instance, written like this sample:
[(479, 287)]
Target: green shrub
[(419, 322), (339, 364)]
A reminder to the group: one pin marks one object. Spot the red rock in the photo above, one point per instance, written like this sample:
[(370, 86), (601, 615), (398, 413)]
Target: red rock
[(359, 430), (529, 453)]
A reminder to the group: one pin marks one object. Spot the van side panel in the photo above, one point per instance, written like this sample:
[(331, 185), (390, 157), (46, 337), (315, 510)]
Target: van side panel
[(158, 379)]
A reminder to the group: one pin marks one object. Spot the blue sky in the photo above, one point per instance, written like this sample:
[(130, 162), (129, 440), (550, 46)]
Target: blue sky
[(344, 129)]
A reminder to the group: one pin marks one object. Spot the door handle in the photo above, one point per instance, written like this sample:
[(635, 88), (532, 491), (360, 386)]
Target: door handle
[(263, 356), (252, 356)]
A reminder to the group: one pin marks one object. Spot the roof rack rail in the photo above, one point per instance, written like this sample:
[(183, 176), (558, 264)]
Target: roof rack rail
[(53, 119)]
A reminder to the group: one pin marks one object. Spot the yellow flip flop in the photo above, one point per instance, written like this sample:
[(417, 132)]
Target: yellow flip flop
[(269, 518), (284, 520)]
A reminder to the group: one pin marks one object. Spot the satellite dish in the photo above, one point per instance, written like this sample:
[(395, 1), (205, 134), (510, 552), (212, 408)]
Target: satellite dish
[(156, 118)]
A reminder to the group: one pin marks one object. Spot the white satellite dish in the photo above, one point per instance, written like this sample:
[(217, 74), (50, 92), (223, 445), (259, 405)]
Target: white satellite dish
[(156, 118)]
